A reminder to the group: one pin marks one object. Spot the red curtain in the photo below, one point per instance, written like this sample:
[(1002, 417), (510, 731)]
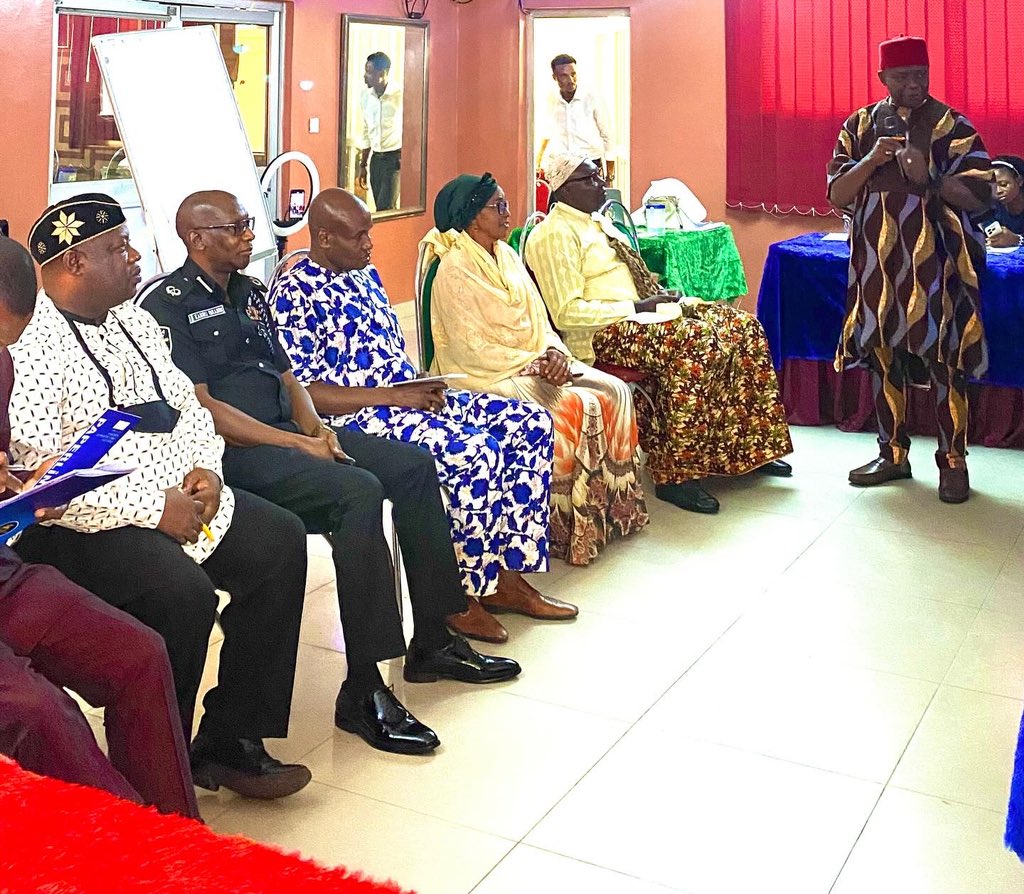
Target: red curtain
[(796, 69), (87, 127)]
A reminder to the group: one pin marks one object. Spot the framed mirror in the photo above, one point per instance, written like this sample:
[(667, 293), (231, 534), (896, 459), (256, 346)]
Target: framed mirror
[(382, 144)]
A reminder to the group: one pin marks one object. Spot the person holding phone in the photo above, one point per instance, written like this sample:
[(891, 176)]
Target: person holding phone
[(54, 634), (911, 171), (1004, 226)]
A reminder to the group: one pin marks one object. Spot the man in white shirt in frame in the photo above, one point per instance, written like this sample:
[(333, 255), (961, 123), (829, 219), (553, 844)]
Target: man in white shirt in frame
[(575, 120), (381, 143)]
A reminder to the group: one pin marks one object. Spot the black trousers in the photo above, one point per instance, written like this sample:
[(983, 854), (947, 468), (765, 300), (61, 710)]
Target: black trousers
[(261, 562), (384, 167), (347, 501)]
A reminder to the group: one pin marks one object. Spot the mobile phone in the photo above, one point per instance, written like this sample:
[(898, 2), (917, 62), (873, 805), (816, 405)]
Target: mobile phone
[(296, 203), (992, 228)]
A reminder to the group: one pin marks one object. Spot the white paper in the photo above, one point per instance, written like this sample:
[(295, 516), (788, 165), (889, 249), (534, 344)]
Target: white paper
[(431, 380), (665, 313), (835, 237)]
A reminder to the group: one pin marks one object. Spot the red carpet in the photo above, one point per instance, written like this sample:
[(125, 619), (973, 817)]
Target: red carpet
[(58, 838)]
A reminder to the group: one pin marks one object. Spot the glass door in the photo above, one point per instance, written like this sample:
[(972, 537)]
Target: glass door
[(88, 155)]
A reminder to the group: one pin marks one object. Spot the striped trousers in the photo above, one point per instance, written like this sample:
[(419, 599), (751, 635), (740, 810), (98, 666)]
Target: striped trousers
[(949, 387)]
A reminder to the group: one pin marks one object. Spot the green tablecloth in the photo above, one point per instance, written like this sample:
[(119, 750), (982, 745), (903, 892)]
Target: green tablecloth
[(700, 263)]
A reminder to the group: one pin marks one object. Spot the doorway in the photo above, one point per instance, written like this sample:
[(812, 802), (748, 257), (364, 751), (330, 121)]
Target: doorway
[(598, 41)]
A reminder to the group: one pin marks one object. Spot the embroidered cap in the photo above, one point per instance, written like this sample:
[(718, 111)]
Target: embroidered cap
[(71, 222), (560, 167), (902, 52)]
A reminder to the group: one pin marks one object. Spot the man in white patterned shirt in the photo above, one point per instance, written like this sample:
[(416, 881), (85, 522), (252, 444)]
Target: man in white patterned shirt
[(140, 543)]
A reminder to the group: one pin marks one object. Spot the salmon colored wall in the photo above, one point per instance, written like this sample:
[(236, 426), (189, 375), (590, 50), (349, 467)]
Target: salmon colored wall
[(477, 121), (316, 55), (27, 29), (677, 116)]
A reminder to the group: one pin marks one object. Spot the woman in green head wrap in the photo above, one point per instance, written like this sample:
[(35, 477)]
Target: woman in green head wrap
[(490, 323), (461, 200)]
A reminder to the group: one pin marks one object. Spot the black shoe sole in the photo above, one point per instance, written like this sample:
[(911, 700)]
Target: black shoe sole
[(412, 675), (387, 745), (692, 507), (906, 477), (212, 776)]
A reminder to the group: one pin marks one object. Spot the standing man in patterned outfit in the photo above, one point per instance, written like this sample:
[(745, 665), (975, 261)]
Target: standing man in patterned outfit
[(223, 337), (493, 454), (909, 170)]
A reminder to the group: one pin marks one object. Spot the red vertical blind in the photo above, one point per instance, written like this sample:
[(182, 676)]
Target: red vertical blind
[(797, 68)]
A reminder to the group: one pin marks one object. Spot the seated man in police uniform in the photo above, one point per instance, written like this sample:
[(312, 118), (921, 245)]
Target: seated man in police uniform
[(139, 543), (223, 336)]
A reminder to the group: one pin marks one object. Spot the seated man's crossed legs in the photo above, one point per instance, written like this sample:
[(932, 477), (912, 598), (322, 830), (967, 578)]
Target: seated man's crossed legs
[(347, 501), (261, 562)]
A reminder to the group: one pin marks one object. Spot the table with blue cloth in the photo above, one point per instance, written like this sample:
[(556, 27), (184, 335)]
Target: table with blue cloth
[(802, 304), (699, 263)]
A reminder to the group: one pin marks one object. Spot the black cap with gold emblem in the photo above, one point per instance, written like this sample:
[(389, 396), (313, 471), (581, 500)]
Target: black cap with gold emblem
[(71, 222)]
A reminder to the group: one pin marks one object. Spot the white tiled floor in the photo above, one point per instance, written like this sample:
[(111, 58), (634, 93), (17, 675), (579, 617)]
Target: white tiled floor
[(816, 691)]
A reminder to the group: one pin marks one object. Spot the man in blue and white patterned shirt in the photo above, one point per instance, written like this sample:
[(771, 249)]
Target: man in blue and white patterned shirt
[(493, 454)]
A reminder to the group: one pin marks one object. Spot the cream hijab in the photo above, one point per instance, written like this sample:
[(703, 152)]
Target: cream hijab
[(487, 317)]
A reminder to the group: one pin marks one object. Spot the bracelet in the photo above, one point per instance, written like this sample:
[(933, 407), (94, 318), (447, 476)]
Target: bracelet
[(1020, 241)]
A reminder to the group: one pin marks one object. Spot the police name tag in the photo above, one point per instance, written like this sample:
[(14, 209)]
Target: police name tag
[(206, 314)]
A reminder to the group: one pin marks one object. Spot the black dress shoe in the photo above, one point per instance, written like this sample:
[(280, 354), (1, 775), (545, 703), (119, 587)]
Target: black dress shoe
[(457, 661), (878, 471), (777, 468), (243, 766), (383, 722), (687, 495)]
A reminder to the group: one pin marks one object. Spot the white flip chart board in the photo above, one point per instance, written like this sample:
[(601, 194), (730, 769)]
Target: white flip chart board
[(181, 128)]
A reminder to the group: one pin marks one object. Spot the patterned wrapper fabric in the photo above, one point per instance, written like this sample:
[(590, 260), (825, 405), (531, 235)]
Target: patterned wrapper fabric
[(718, 410)]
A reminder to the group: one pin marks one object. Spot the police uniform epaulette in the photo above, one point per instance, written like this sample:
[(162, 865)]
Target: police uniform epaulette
[(172, 288), (257, 283)]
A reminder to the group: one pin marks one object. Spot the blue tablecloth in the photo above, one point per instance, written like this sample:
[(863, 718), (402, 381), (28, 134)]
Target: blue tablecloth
[(803, 300)]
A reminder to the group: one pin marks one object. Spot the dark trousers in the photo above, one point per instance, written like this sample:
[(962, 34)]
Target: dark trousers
[(384, 168), (889, 380), (55, 634), (261, 562), (347, 501)]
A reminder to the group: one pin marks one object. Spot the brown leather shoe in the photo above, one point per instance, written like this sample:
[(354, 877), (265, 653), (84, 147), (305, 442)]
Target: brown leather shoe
[(878, 471), (475, 623), (954, 485), (522, 599)]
